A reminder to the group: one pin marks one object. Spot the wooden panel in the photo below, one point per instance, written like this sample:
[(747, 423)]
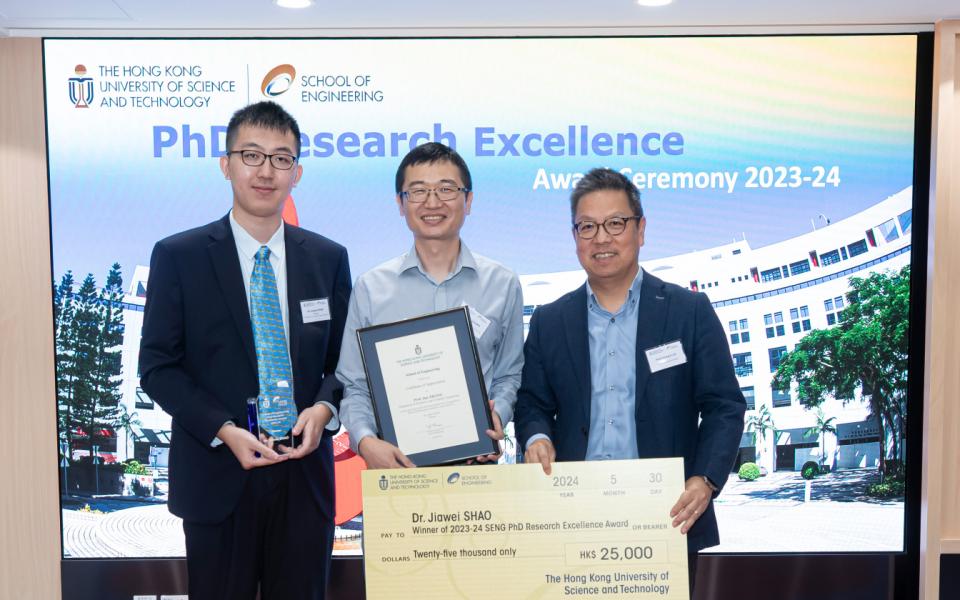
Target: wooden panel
[(29, 507), (950, 509), (941, 420)]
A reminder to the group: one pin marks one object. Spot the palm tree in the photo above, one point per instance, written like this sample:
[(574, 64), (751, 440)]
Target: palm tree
[(822, 428), (760, 423), (127, 421)]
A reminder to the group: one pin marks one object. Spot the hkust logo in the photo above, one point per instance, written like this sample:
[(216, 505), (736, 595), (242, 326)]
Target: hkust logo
[(278, 80), (383, 483), (80, 88)]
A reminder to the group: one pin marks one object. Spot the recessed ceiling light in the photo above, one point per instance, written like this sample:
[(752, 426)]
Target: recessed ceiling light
[(293, 3), (654, 2)]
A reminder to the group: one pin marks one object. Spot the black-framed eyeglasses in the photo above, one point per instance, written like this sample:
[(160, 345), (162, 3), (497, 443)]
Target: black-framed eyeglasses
[(587, 230), (445, 193), (255, 158)]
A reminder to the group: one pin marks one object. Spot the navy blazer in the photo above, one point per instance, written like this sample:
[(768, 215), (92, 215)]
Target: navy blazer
[(198, 362), (694, 410)]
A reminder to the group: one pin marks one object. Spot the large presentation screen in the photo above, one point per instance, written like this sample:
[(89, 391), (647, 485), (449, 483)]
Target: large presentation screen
[(776, 176)]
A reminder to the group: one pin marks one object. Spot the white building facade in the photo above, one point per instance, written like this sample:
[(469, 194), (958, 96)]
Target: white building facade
[(148, 441)]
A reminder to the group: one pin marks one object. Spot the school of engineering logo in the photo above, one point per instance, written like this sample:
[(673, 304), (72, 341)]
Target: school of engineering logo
[(278, 80), (453, 478), (80, 88)]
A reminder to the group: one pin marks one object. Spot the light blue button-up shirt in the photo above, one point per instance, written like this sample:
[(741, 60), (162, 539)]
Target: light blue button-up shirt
[(613, 376), (400, 289)]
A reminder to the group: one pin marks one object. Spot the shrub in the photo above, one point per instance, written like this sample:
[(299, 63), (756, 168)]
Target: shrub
[(888, 489), (893, 486), (749, 471), (86, 508), (809, 470), (133, 467)]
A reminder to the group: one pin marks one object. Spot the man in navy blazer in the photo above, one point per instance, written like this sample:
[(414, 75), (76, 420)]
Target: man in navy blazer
[(254, 516), (589, 390)]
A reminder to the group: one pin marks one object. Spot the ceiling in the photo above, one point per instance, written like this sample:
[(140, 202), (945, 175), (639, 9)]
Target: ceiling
[(450, 17)]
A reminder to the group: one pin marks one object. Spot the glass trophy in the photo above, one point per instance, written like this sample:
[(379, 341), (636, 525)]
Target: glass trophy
[(275, 414)]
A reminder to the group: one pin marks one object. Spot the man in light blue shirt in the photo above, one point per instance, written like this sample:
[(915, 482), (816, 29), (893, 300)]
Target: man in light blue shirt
[(439, 272), (630, 366), (613, 341), (612, 338)]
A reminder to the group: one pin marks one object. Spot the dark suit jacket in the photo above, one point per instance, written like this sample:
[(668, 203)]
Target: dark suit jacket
[(198, 362), (554, 396)]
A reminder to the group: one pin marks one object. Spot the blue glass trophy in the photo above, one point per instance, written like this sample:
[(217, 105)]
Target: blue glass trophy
[(275, 414)]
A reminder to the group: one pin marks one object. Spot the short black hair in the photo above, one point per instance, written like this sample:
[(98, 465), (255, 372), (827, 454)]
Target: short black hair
[(605, 179), (266, 114), (433, 152)]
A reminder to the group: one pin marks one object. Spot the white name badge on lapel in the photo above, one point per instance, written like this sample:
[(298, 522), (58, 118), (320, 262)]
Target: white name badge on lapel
[(315, 310), (666, 356), (478, 321)]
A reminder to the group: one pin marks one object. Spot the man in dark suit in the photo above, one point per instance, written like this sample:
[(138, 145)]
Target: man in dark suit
[(236, 305), (591, 387)]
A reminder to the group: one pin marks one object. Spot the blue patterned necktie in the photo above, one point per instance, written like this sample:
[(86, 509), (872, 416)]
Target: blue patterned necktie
[(277, 412)]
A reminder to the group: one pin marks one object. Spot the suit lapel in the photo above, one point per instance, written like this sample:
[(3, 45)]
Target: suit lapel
[(226, 265), (651, 321), (297, 264), (578, 344)]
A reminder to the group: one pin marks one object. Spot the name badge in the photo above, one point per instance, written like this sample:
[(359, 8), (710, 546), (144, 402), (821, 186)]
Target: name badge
[(478, 321), (315, 310), (666, 356)]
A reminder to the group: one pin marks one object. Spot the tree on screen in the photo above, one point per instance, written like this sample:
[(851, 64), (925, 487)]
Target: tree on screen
[(108, 362), (63, 318), (760, 423), (88, 336), (79, 350), (127, 422), (823, 426), (865, 354)]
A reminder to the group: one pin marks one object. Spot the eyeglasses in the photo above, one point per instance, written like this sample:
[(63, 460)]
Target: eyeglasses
[(587, 230), (445, 193), (255, 158)]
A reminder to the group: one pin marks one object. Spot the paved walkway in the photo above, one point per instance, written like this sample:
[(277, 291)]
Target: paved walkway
[(769, 515), (117, 527), (127, 530)]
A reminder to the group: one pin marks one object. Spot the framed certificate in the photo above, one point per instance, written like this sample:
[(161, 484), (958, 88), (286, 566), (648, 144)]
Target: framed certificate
[(427, 387)]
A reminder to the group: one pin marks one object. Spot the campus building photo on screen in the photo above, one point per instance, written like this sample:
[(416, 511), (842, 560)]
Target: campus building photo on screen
[(776, 175)]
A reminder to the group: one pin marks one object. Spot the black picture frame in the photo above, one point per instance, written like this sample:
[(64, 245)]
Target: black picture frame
[(459, 319)]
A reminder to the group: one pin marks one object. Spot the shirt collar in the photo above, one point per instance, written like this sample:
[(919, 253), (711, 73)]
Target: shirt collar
[(248, 245), (464, 259), (633, 294)]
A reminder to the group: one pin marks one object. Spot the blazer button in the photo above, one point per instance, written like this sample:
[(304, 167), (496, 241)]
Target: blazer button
[(585, 430)]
